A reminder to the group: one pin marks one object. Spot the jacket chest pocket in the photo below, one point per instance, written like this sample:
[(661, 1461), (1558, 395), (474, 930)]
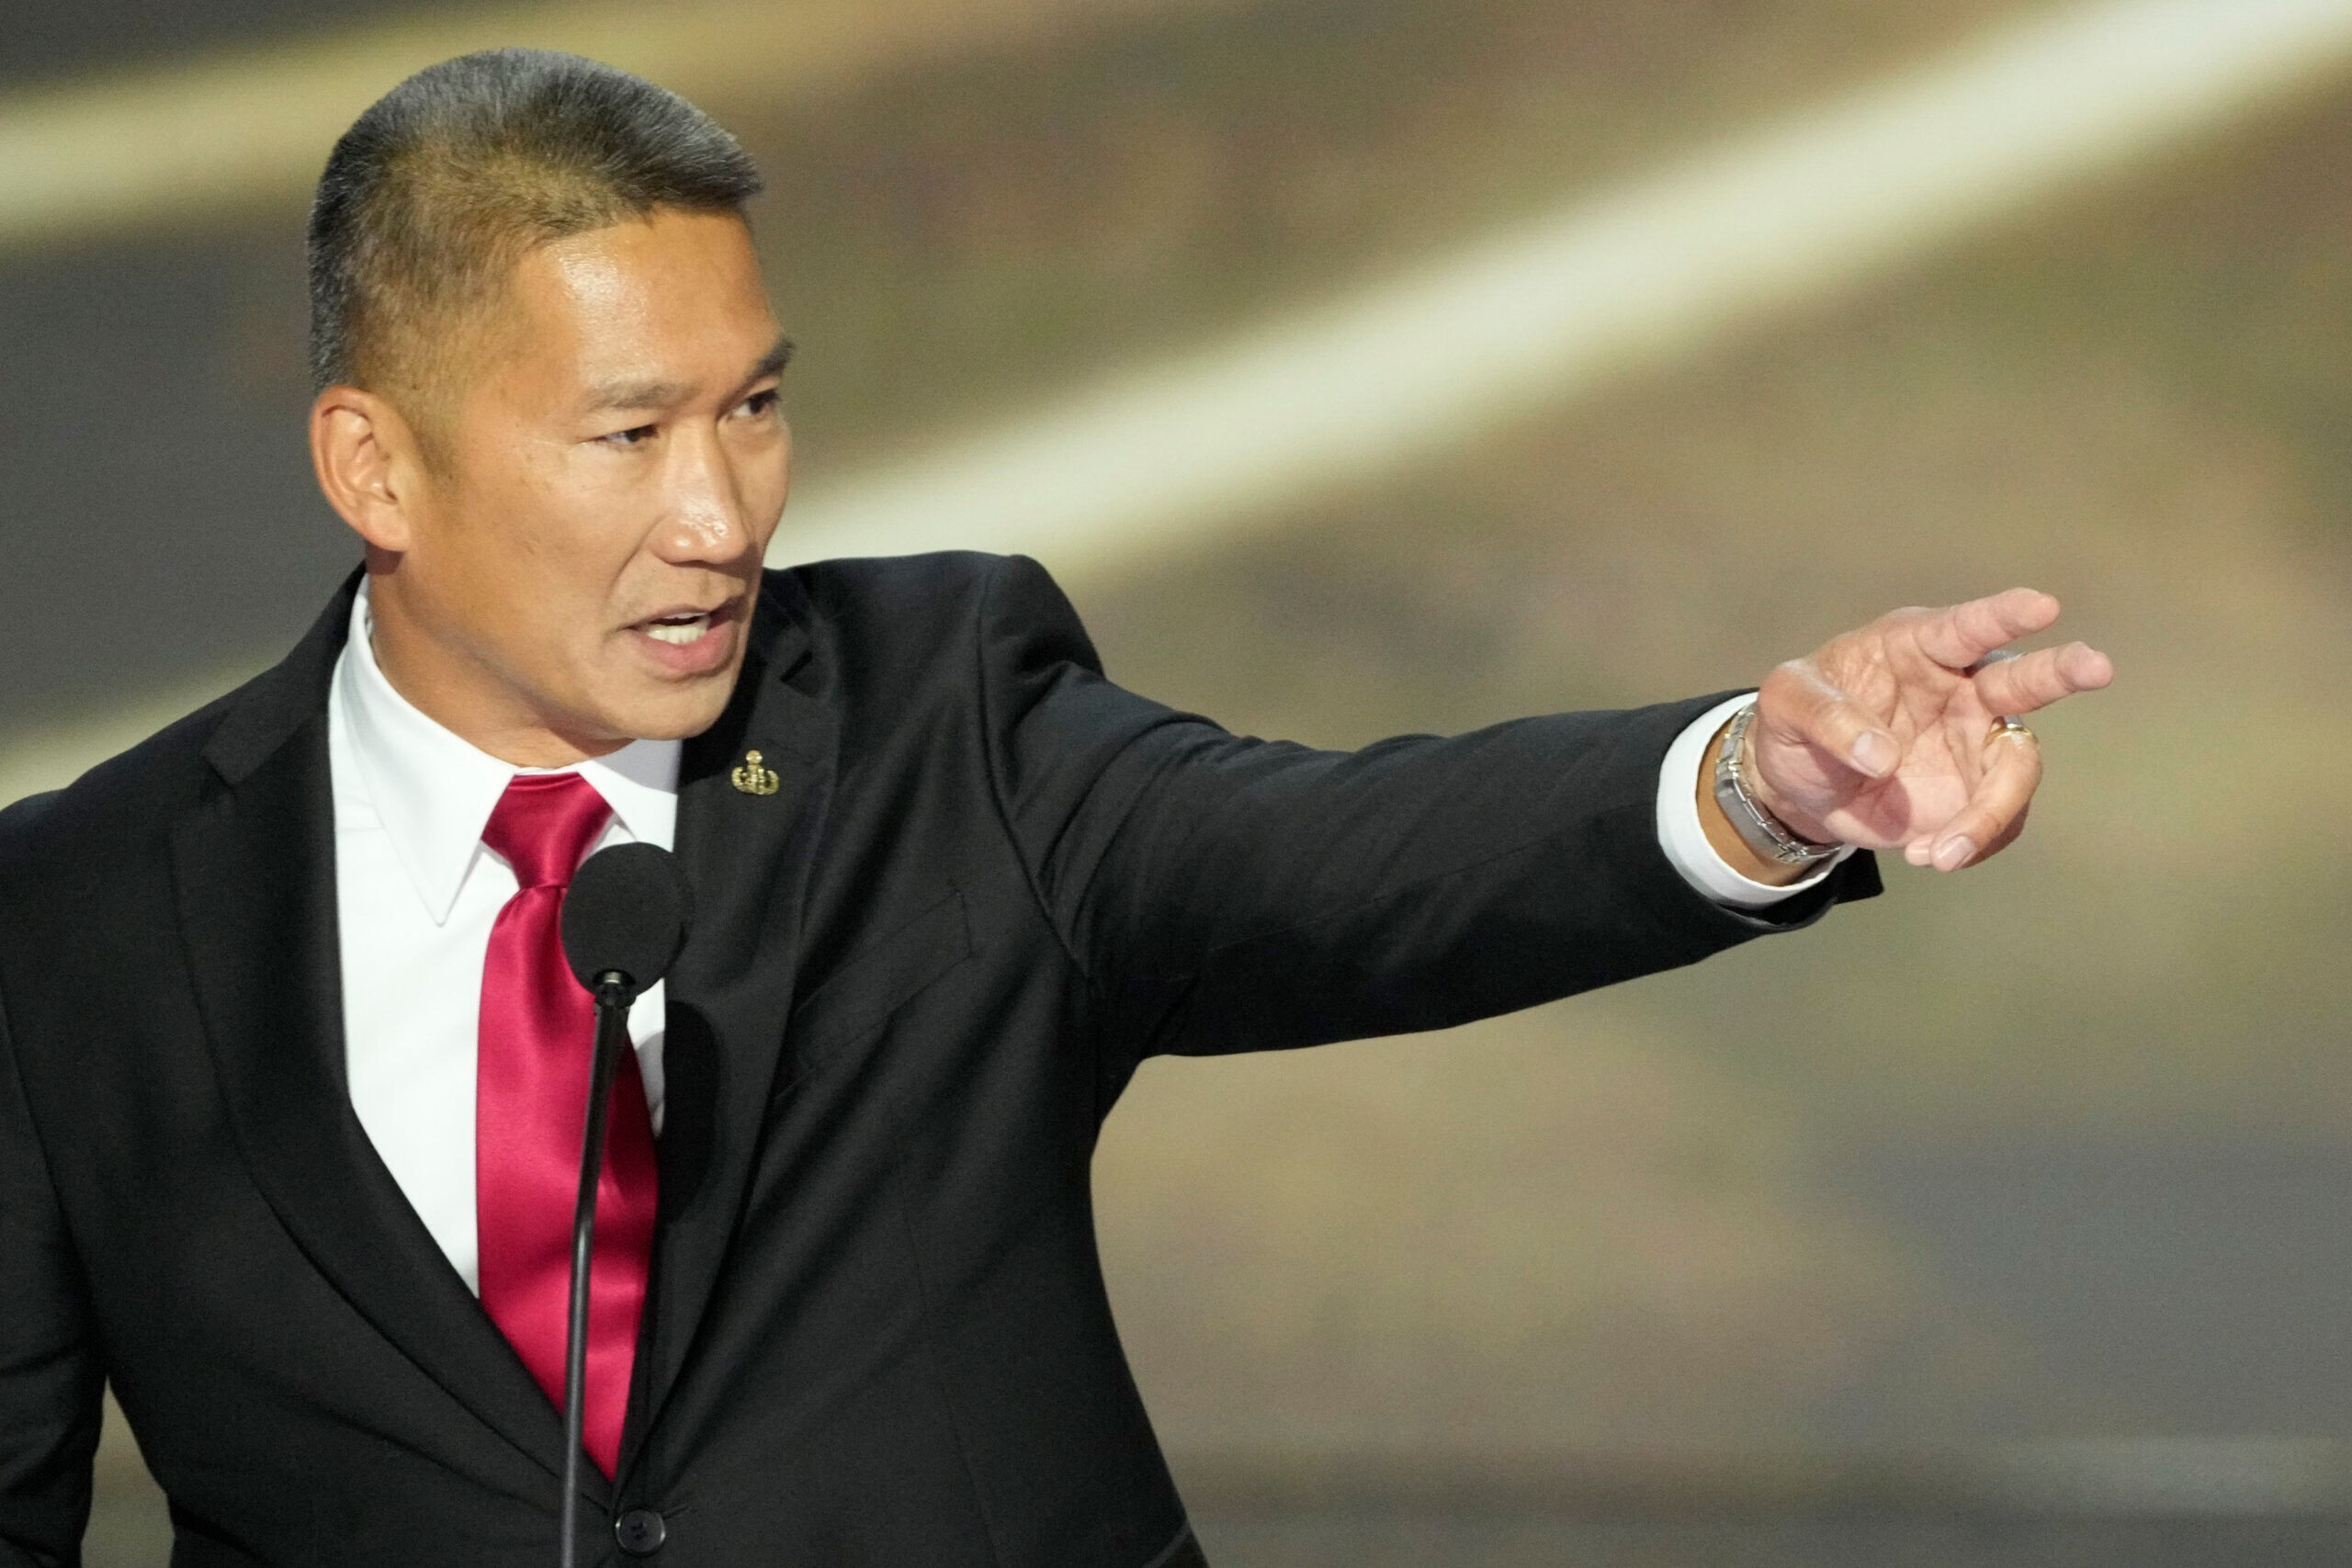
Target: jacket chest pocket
[(875, 982)]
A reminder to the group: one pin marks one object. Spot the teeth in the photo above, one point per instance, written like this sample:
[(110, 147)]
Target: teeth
[(679, 631)]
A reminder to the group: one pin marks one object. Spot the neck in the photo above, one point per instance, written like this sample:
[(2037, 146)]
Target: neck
[(468, 700)]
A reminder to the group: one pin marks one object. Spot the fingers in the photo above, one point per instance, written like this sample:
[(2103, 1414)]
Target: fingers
[(1995, 811), (2039, 679), (1919, 850), (1958, 637), (1799, 702)]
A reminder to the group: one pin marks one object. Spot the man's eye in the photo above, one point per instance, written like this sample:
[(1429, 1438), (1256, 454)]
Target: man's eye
[(759, 405), (635, 435)]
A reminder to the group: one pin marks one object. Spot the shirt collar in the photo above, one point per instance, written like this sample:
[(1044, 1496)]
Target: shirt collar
[(433, 792)]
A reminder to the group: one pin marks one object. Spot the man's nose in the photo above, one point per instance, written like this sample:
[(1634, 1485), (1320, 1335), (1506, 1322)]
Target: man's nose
[(704, 514)]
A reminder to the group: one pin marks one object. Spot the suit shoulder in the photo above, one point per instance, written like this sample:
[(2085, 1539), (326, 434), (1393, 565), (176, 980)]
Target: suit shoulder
[(117, 803), (946, 595), (945, 582)]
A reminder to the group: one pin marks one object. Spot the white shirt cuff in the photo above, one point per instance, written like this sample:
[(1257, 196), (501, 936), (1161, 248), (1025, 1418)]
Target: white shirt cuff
[(1685, 842)]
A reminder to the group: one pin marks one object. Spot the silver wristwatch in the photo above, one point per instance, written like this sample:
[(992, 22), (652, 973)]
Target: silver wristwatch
[(1758, 828)]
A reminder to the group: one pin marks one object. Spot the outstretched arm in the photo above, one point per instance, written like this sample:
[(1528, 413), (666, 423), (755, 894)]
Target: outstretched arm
[(1228, 894)]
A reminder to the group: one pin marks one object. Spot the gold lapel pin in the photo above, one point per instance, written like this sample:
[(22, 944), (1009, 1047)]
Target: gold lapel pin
[(754, 777)]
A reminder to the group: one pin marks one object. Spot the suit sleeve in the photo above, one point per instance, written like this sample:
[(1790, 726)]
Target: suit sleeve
[(1228, 894), (50, 1377)]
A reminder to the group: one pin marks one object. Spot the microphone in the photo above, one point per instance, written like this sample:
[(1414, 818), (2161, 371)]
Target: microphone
[(625, 920), (626, 917)]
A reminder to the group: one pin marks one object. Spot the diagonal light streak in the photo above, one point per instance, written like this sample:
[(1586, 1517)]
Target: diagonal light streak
[(1774, 220)]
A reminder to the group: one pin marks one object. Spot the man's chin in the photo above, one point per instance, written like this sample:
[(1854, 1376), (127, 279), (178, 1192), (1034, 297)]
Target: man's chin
[(678, 721), (671, 710)]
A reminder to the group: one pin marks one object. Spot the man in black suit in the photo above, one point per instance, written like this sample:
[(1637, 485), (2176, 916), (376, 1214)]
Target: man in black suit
[(271, 1128)]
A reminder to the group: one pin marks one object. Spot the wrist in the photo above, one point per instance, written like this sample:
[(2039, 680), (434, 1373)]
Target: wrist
[(1742, 819), (1793, 822)]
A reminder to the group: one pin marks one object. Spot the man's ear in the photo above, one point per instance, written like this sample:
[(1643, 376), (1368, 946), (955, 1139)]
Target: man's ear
[(369, 463)]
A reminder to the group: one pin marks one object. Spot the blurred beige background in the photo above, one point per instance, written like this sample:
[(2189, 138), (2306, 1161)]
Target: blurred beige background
[(2019, 1193)]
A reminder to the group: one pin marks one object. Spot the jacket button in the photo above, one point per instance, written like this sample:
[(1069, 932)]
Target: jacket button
[(640, 1532)]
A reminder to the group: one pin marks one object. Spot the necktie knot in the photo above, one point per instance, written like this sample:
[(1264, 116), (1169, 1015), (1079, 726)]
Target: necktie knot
[(544, 823)]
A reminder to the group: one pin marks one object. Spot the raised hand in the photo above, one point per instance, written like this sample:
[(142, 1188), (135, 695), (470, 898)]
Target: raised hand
[(1887, 736)]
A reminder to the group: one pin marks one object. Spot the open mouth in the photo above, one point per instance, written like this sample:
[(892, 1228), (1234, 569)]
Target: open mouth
[(680, 629), (686, 642)]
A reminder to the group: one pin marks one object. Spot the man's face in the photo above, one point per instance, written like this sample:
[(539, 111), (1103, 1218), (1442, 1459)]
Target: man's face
[(582, 560)]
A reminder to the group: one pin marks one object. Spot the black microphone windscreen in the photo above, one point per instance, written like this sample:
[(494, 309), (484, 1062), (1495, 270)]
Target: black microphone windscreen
[(627, 909)]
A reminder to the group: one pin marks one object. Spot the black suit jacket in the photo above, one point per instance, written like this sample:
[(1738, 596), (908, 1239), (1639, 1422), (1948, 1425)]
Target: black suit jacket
[(991, 884)]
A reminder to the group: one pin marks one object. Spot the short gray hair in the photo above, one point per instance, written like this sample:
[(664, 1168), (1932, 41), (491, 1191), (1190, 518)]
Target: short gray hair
[(436, 190)]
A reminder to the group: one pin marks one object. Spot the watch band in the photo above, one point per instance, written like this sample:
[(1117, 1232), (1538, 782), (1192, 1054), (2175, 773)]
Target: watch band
[(1757, 828)]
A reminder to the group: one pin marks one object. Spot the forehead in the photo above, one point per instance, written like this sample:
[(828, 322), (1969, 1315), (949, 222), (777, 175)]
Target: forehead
[(677, 296)]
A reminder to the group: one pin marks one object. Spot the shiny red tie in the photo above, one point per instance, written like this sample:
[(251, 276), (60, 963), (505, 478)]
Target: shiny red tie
[(531, 1112)]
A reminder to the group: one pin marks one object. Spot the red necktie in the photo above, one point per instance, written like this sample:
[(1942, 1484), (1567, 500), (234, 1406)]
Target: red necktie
[(531, 1112)]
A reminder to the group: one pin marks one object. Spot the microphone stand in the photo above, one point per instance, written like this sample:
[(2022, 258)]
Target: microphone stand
[(613, 1000)]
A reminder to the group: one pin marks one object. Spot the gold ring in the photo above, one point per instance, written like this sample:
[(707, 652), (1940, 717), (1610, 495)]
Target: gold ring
[(2007, 725)]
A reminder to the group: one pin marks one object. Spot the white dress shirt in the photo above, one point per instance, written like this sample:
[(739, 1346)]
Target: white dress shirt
[(418, 891)]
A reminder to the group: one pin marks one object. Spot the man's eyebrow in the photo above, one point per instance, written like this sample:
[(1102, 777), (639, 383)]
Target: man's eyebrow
[(773, 362), (648, 394), (638, 394)]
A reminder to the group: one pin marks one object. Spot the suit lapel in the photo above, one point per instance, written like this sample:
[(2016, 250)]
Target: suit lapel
[(255, 878), (747, 855)]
